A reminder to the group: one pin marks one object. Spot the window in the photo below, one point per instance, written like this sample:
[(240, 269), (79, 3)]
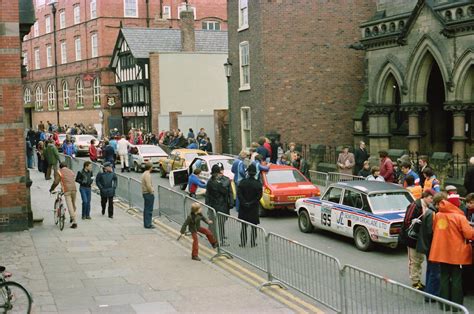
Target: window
[(211, 25), (96, 90), (243, 14), (183, 8), (352, 199), (27, 96), (49, 57), (37, 59), (166, 12), (36, 29), (39, 98), (65, 95), (130, 8), (94, 45), (389, 202), (77, 14), (333, 195), (25, 60), (79, 94), (244, 65), (63, 52), (284, 176), (62, 19), (77, 45), (47, 23), (246, 127), (51, 97), (93, 7)]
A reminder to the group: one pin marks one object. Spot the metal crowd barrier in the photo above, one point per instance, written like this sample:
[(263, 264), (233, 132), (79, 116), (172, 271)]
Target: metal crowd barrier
[(334, 177), (136, 195), (171, 204), (319, 178), (123, 188), (305, 269), (242, 240), (365, 292)]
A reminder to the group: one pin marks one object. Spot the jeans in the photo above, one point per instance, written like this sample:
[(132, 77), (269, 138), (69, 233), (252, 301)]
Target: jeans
[(29, 159), (149, 199), (86, 201), (432, 278)]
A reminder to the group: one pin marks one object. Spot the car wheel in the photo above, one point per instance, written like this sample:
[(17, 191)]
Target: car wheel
[(262, 212), (362, 239), (304, 222), (162, 172)]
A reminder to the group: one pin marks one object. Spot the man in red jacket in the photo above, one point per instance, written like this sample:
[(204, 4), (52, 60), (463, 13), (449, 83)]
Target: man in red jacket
[(386, 166), (450, 248)]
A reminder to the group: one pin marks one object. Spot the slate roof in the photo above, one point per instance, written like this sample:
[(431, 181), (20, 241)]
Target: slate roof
[(142, 41)]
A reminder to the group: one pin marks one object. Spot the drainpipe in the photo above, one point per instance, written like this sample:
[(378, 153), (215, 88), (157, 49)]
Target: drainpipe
[(148, 13)]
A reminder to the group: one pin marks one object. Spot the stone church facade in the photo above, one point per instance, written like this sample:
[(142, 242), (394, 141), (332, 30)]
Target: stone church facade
[(420, 77)]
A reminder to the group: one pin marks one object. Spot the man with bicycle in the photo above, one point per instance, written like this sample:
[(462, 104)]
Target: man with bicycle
[(67, 179)]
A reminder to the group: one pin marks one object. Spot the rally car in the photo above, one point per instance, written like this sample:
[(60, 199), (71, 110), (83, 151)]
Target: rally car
[(178, 159), (141, 154), (282, 187), (368, 211)]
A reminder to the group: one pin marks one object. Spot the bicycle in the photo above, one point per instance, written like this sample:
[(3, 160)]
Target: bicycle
[(59, 209), (14, 298)]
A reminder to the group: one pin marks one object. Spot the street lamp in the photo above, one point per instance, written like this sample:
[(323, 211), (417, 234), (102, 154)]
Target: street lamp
[(228, 74), (53, 4)]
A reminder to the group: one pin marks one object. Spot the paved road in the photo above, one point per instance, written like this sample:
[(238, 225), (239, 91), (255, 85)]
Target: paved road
[(390, 263)]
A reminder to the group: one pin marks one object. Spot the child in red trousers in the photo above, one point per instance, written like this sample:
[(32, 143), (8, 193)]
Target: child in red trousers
[(193, 222)]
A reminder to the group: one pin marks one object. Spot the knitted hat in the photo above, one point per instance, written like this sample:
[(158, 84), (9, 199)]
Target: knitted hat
[(454, 199)]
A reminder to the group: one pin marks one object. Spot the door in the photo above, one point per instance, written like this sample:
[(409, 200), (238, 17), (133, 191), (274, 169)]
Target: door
[(330, 200), (344, 221), (178, 177)]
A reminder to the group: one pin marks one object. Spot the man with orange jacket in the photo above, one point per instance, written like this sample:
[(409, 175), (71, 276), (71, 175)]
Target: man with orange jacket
[(450, 248)]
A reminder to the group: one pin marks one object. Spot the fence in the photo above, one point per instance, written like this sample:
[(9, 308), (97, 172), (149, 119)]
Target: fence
[(334, 177), (319, 178)]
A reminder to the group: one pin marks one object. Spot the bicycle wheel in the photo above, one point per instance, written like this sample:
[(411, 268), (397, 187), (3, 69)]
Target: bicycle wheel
[(14, 298), (62, 218), (55, 212)]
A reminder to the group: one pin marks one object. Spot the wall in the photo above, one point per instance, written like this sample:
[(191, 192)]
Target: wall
[(192, 83), (13, 192)]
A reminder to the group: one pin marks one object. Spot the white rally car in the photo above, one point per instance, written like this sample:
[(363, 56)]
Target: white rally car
[(368, 211)]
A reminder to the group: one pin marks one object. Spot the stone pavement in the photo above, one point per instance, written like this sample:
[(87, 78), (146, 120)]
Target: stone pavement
[(117, 266)]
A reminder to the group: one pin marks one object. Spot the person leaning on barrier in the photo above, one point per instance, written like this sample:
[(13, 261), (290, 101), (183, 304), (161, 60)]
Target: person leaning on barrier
[(148, 196), (423, 244), (218, 196), (249, 193), (451, 248)]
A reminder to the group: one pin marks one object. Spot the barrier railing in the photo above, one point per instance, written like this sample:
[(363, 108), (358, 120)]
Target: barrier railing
[(171, 204), (242, 240), (318, 178), (136, 195), (305, 269), (334, 177), (123, 188), (365, 292)]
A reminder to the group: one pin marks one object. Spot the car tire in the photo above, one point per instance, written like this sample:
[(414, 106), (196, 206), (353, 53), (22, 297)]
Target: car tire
[(304, 222), (162, 172), (362, 239)]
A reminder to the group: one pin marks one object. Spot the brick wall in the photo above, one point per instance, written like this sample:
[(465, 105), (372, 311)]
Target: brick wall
[(13, 192), (305, 82)]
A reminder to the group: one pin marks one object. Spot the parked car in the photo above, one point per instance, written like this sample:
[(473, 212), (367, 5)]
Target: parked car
[(83, 142), (141, 154), (178, 159), (205, 163), (368, 211), (283, 186)]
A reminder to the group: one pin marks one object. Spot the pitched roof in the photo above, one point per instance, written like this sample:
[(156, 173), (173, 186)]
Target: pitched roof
[(142, 41)]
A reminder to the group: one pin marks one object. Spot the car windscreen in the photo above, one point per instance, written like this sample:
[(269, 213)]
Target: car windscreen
[(152, 150), (227, 163), (284, 176), (389, 201)]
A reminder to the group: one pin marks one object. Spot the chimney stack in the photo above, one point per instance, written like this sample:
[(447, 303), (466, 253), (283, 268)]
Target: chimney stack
[(187, 30)]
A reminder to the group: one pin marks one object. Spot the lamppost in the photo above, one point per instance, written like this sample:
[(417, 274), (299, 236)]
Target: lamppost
[(53, 10), (228, 74)]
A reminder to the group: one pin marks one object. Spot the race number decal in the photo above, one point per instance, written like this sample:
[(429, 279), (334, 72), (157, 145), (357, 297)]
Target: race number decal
[(326, 216)]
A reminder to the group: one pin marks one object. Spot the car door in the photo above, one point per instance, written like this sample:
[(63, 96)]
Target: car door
[(326, 217), (352, 206)]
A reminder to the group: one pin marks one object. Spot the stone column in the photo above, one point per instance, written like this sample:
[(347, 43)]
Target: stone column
[(379, 127), (459, 121), (414, 112)]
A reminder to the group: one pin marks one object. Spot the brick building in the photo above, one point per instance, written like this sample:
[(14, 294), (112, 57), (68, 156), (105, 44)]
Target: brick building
[(420, 93), (14, 196), (292, 70), (85, 38)]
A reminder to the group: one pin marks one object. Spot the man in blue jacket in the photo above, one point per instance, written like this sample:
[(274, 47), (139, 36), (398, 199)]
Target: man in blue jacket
[(194, 182)]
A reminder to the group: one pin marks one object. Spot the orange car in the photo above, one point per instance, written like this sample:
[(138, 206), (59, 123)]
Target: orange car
[(282, 186)]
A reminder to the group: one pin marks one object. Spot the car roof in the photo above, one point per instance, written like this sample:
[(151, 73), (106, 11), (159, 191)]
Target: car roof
[(215, 157), (369, 187), (187, 151)]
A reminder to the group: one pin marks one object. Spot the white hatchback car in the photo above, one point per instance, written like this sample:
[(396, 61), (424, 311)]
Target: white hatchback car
[(141, 154)]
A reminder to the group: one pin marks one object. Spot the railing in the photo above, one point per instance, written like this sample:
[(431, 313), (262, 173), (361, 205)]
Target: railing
[(334, 177), (319, 178)]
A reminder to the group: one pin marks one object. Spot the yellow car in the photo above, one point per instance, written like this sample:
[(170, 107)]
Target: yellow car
[(178, 159)]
